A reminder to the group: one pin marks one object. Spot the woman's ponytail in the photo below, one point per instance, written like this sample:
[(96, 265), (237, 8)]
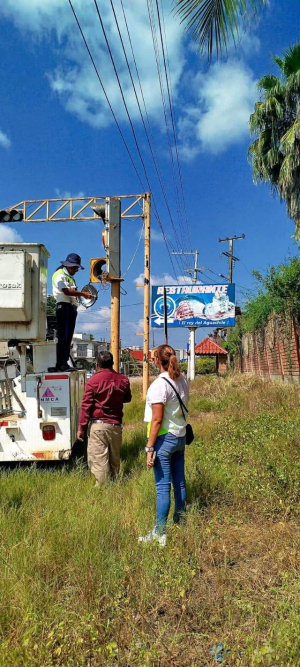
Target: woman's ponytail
[(168, 360), (174, 370)]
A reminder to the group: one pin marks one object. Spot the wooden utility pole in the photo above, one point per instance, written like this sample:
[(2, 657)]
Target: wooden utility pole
[(229, 254), (115, 323), (231, 259), (147, 226)]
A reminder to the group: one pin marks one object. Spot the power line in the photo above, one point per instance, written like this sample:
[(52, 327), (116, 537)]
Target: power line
[(156, 53), (138, 303), (140, 110), (153, 150), (173, 120), (135, 252), (126, 109), (105, 93), (115, 119)]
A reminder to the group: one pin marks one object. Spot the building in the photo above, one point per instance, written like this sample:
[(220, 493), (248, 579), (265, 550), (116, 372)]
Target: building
[(84, 347), (209, 348)]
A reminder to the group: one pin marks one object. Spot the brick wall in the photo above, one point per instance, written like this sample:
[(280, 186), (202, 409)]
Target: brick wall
[(272, 352)]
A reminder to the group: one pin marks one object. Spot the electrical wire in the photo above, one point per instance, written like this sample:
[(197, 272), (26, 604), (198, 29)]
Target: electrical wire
[(135, 252), (124, 102), (173, 120), (154, 156), (157, 59), (105, 93), (115, 119), (127, 110), (138, 303)]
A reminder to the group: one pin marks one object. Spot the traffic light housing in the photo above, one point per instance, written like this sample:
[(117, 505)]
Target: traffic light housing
[(13, 215), (110, 213), (98, 269)]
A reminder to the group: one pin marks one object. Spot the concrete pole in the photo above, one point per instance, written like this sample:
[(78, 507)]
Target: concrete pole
[(147, 223), (192, 354), (115, 323), (230, 260), (195, 276)]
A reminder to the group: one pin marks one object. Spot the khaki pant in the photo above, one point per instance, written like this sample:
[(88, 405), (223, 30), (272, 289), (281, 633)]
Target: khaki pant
[(103, 451)]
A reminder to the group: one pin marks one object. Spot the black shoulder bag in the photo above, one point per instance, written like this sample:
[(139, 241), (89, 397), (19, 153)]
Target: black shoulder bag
[(189, 434)]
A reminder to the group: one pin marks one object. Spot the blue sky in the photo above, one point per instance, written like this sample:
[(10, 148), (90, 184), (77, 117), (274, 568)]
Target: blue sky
[(57, 138)]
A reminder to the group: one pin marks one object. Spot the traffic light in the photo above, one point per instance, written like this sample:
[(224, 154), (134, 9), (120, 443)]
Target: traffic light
[(12, 215), (110, 213), (98, 269)]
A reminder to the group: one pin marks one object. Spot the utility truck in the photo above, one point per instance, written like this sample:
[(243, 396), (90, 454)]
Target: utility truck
[(39, 407)]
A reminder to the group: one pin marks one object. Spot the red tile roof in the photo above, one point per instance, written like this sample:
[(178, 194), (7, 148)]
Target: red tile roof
[(208, 346)]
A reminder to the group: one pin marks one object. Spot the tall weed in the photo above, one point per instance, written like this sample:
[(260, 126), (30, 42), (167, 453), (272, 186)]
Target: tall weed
[(77, 588)]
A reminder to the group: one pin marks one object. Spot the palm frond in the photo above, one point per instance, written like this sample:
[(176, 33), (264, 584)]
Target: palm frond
[(214, 22), (275, 123), (279, 62), (268, 82), (289, 137), (291, 63)]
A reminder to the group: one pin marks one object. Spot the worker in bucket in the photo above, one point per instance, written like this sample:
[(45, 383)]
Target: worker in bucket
[(66, 294), (102, 413)]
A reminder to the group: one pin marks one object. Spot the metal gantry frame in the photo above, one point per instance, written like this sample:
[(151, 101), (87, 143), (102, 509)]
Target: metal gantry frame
[(65, 209)]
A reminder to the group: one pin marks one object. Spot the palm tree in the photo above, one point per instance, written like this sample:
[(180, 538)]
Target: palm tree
[(216, 22), (275, 153)]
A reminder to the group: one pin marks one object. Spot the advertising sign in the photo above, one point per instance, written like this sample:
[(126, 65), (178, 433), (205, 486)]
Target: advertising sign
[(194, 305)]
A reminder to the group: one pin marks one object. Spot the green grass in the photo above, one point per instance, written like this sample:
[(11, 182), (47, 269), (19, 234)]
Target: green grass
[(76, 588)]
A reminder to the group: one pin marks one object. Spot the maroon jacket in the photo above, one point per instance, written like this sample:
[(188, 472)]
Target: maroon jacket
[(104, 395)]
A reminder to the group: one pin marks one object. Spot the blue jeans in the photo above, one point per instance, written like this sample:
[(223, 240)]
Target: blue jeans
[(169, 467)]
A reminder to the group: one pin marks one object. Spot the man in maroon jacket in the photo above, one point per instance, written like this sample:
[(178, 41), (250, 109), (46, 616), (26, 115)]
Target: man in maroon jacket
[(102, 407)]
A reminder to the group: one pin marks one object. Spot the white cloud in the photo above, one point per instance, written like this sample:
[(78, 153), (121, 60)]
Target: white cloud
[(156, 235), (223, 97), (9, 235), (74, 79), (94, 321), (67, 194), (225, 100), (5, 142), (101, 314)]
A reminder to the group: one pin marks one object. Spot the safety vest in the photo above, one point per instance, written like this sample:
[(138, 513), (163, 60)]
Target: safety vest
[(61, 279)]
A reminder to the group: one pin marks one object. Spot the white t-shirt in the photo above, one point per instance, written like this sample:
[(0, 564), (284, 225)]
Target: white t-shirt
[(62, 279), (161, 392)]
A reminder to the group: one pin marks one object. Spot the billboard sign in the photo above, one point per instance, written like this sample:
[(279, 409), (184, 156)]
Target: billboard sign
[(194, 305)]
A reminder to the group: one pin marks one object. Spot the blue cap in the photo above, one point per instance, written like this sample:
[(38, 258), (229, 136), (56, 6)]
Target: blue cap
[(72, 260)]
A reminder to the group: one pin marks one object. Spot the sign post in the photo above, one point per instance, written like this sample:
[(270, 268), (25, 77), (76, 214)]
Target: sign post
[(192, 354), (165, 317)]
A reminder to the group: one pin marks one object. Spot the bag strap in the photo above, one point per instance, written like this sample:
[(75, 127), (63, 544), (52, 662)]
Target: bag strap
[(181, 403)]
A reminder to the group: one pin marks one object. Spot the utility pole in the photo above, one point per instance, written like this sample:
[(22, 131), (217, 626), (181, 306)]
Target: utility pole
[(231, 259), (115, 322), (147, 226), (229, 254), (193, 272)]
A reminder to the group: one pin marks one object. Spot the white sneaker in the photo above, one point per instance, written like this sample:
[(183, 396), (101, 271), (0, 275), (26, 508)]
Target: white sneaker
[(153, 536)]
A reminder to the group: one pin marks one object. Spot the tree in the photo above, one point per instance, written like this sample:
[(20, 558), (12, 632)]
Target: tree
[(51, 305), (214, 23), (275, 153)]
